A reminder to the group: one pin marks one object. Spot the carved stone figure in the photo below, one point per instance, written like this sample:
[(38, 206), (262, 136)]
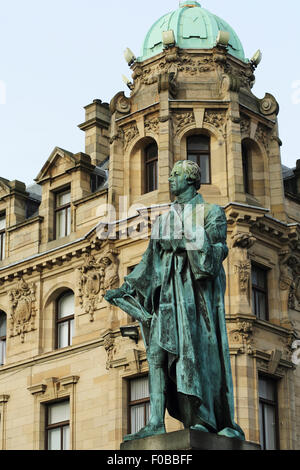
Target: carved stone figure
[(177, 294), (22, 309), (290, 279)]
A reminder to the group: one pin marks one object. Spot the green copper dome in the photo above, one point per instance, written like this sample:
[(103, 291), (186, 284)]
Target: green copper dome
[(194, 28)]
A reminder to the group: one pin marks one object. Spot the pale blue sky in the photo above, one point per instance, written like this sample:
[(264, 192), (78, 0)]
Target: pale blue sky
[(57, 56)]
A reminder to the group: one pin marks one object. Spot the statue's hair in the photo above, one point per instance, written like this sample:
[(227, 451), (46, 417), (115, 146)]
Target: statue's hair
[(193, 172)]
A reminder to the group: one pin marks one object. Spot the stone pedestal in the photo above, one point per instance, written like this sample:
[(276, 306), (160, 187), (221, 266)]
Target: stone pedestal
[(188, 440)]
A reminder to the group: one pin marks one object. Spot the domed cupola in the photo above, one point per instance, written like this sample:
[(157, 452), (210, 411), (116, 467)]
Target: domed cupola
[(193, 27)]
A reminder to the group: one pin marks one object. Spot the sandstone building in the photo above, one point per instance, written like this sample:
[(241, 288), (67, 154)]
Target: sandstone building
[(73, 370)]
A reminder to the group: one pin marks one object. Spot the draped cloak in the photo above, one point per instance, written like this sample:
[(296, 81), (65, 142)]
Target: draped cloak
[(180, 287)]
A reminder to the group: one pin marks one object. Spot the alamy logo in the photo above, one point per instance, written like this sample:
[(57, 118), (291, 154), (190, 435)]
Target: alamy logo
[(296, 93), (2, 92)]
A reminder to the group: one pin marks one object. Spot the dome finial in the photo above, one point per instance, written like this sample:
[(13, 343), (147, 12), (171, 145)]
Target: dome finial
[(188, 4)]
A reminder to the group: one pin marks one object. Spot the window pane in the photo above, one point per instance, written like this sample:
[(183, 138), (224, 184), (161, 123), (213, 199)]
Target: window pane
[(151, 152), (68, 221), (198, 143), (63, 334), (2, 352), (259, 277), (61, 224), (2, 246), (137, 418), (63, 199), (66, 438), (71, 331), (54, 439), (270, 427), (261, 302), (59, 412), (204, 165), (261, 426), (66, 305), (2, 324), (2, 222), (139, 388), (152, 176), (267, 389)]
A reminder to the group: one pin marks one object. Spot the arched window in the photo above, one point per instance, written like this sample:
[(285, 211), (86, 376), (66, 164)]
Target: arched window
[(65, 320), (198, 151), (151, 168), (2, 338)]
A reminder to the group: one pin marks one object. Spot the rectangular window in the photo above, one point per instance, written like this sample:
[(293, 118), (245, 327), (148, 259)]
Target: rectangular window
[(58, 426), (268, 414), (260, 292), (63, 214), (139, 404), (2, 235)]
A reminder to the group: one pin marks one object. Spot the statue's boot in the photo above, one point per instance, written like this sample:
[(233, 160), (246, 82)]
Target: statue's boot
[(232, 433), (156, 423)]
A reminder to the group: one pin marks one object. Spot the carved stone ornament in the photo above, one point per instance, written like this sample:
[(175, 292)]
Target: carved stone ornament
[(120, 103), (118, 136), (243, 334), (290, 279), (216, 119), (152, 125), (243, 269), (167, 82), (262, 135), (95, 278), (109, 345), (241, 243), (183, 120), (228, 83), (130, 133), (22, 309), (268, 105), (245, 125)]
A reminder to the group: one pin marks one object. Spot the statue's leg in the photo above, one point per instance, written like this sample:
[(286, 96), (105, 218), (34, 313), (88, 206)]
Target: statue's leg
[(157, 382)]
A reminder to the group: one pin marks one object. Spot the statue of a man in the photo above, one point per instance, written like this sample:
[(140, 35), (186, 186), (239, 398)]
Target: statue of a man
[(177, 294)]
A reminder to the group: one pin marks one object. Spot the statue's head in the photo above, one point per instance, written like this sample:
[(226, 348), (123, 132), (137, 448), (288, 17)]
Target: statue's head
[(184, 174)]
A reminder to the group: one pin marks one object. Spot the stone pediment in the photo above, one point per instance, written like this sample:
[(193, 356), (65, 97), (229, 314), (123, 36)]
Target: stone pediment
[(58, 163)]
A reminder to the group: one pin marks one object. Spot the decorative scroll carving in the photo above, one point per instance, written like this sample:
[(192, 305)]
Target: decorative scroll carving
[(152, 125), (268, 105), (22, 309), (216, 119), (182, 120), (129, 134), (229, 83), (120, 103), (95, 278)]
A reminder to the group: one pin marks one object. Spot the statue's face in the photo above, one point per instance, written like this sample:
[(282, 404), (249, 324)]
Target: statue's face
[(178, 180)]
